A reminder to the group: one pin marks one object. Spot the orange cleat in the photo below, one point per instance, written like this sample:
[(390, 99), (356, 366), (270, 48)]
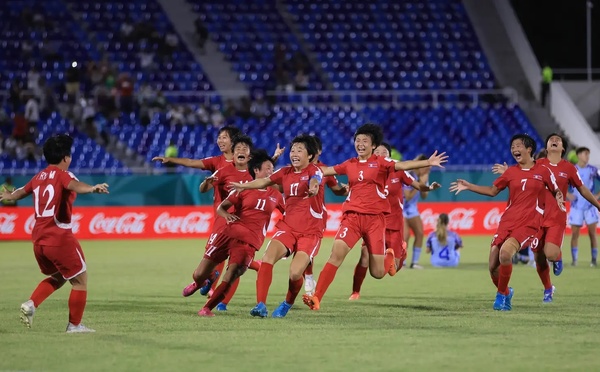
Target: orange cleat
[(354, 296), (390, 262), (403, 254), (311, 301)]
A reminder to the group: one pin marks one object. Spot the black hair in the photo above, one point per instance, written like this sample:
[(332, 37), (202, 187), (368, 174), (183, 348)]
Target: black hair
[(421, 157), (231, 131), (581, 149), (309, 142), (318, 142), (387, 146), (542, 154), (372, 130), (241, 138), (444, 219), (565, 143), (57, 147), (257, 158), (528, 142)]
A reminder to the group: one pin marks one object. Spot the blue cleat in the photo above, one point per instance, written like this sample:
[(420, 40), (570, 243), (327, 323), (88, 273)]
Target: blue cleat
[(557, 267), (282, 310), (260, 310), (221, 307), (208, 283), (548, 295), (499, 302), (508, 300)]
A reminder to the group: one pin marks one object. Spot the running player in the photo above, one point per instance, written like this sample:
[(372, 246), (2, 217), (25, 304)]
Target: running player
[(412, 216), (444, 245)]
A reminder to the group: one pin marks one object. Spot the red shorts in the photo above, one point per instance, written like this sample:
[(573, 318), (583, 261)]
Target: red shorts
[(369, 227), (68, 259), (525, 235), (549, 234), (294, 242), (223, 247)]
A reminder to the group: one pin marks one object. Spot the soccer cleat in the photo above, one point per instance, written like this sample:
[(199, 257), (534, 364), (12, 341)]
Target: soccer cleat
[(391, 259), (207, 283), (311, 301), (309, 285), (260, 310), (205, 311), (574, 263), (508, 300), (593, 263), (549, 295), (402, 258), (80, 328), (190, 289), (499, 302), (416, 266), (354, 296), (557, 267), (27, 311), (221, 307), (282, 310)]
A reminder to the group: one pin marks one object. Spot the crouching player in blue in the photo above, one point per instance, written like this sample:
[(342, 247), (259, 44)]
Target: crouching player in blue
[(444, 245)]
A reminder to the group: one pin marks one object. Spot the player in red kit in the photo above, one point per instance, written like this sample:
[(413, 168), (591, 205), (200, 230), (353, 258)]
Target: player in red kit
[(300, 230), (56, 249), (394, 223), (522, 218), (365, 207), (554, 223)]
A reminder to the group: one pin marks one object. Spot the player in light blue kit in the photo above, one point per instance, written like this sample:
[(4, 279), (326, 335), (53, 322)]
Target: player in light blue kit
[(582, 210), (444, 245), (412, 217)]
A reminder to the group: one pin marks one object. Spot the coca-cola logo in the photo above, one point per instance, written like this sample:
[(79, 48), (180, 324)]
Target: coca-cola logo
[(192, 223), (492, 219), (7, 223), (460, 218), (128, 223), (75, 218)]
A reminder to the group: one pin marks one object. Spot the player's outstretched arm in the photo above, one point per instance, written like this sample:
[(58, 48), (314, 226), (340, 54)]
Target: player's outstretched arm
[(462, 185), (423, 188), (222, 211), (83, 188), (499, 168), (328, 171), (207, 184), (435, 160), (259, 183), (587, 194), (18, 194), (186, 162), (341, 189)]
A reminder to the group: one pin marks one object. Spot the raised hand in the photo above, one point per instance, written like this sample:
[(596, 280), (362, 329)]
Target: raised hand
[(278, 151), (101, 188), (436, 160), (312, 190), (458, 186), (4, 195), (560, 199), (237, 186), (434, 186), (162, 159), (499, 168)]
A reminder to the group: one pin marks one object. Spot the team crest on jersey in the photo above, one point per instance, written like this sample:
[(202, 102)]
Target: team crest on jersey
[(372, 165), (395, 180), (274, 200), (304, 178), (563, 175), (537, 177)]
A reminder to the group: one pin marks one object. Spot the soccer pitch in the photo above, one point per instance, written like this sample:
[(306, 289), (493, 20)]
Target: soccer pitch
[(419, 320)]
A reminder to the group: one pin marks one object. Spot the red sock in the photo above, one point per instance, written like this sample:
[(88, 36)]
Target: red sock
[(359, 276), (294, 287), (218, 295), (494, 279), (254, 265), (43, 291), (220, 267), (325, 278), (232, 288), (308, 270), (544, 274), (77, 301), (504, 279), (263, 282)]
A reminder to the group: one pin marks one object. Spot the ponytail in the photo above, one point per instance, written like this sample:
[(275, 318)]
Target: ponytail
[(441, 230)]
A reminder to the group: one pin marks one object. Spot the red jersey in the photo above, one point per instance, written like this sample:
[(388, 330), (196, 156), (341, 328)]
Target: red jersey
[(566, 174), (215, 162), (329, 181), (526, 197), (304, 215), (53, 204), (254, 208), (225, 175), (394, 220), (366, 179)]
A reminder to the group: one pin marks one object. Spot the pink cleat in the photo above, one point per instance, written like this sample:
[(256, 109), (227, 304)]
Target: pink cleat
[(190, 289), (354, 296), (205, 311)]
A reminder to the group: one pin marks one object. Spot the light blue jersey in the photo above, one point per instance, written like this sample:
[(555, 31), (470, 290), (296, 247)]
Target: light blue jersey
[(582, 211), (411, 208), (445, 255)]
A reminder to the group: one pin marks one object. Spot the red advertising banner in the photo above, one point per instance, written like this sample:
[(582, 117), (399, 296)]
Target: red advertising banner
[(474, 218)]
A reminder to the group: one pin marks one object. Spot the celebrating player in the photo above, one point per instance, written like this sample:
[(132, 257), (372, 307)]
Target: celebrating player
[(57, 251), (365, 207), (300, 230), (582, 211), (522, 218), (394, 223), (412, 216), (444, 245)]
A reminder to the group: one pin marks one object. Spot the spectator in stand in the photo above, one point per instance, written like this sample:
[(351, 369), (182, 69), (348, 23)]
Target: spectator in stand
[(33, 79), (125, 87), (146, 56), (171, 151), (260, 108), (8, 186), (14, 95), (32, 112), (20, 130), (175, 115), (72, 82), (301, 80), (126, 31), (201, 33)]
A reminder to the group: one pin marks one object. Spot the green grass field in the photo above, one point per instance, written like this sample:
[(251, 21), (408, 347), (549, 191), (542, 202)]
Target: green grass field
[(422, 320)]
